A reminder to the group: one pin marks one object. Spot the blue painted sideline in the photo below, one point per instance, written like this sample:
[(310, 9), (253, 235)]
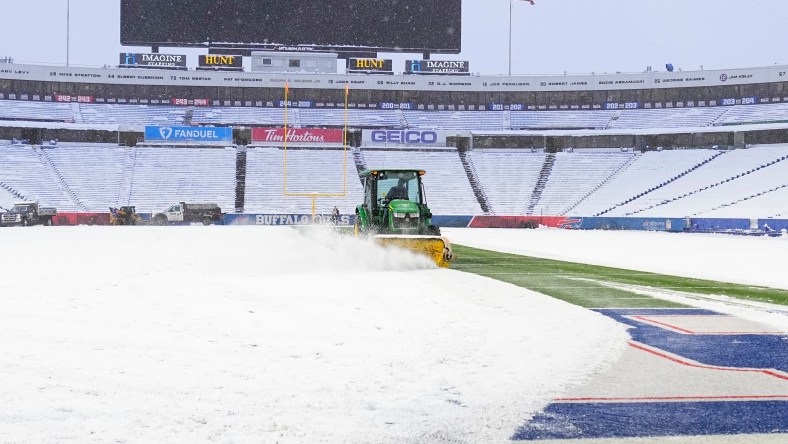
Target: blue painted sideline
[(642, 419)]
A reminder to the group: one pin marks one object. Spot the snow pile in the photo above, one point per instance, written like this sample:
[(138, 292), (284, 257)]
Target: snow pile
[(252, 334)]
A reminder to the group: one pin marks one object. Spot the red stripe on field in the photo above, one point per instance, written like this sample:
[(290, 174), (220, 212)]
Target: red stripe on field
[(708, 367), (673, 398), (672, 327)]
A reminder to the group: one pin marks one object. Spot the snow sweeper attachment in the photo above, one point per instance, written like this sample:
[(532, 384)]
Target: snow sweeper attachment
[(395, 213)]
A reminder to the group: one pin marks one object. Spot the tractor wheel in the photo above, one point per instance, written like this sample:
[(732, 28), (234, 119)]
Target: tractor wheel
[(206, 220)]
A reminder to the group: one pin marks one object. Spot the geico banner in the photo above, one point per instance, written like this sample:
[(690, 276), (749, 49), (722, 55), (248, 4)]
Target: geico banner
[(136, 60), (225, 62), (188, 134), (437, 67), (276, 136), (370, 65), (404, 137)]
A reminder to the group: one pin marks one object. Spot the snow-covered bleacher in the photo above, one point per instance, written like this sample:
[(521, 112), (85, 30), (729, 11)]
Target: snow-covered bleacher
[(722, 168), (508, 177), (448, 189), (163, 176), (22, 170), (561, 119), (767, 204), (456, 120), (239, 116), (752, 114), (765, 178), (647, 171), (356, 118), (36, 111), (667, 118), (575, 175), (131, 114), (308, 171), (93, 173)]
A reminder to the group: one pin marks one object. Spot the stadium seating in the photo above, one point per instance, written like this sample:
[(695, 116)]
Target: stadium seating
[(23, 172), (131, 114), (667, 118), (308, 171), (738, 115), (648, 172), (561, 119), (163, 176), (242, 116), (577, 174), (356, 118), (92, 173), (728, 166), (508, 177), (36, 111), (456, 120)]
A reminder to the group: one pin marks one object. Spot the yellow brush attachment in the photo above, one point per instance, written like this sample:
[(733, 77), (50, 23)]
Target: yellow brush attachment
[(436, 247)]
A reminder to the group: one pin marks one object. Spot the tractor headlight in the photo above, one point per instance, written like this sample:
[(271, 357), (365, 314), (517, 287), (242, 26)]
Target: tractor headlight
[(400, 215), (414, 215)]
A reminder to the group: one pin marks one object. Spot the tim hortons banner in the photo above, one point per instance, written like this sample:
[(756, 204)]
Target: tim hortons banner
[(301, 136)]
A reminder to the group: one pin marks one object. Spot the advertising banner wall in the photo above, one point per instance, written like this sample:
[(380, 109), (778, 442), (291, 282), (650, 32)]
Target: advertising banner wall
[(188, 134), (302, 136)]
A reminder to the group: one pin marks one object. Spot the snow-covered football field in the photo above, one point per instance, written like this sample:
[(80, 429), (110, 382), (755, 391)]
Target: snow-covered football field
[(253, 334)]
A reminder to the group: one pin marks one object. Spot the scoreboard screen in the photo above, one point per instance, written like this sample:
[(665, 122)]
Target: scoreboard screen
[(339, 25)]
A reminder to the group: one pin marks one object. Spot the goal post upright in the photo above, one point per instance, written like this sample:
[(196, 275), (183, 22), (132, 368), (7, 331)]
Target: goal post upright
[(315, 195)]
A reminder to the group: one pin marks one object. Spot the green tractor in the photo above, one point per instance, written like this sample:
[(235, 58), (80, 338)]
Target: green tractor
[(395, 213)]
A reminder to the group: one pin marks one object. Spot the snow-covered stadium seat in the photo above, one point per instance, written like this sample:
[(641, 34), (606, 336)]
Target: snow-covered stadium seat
[(508, 177), (36, 111), (561, 119), (132, 114), (308, 171), (456, 120)]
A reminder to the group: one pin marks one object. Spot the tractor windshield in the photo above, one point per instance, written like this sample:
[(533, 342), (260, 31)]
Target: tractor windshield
[(402, 185)]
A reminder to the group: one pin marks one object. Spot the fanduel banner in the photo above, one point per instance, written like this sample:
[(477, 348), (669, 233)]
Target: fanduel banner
[(188, 134), (137, 60), (404, 137), (380, 66), (222, 62), (276, 136), (437, 67)]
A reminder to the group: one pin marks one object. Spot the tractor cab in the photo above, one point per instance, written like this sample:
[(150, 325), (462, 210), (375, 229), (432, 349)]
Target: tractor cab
[(395, 203)]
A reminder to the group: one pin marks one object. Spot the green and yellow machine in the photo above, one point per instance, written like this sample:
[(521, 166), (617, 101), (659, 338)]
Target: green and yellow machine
[(395, 213)]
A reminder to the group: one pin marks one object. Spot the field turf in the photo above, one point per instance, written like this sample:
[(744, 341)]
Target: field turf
[(583, 284)]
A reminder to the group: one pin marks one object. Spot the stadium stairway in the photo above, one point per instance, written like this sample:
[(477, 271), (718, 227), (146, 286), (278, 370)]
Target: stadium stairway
[(622, 168), (13, 192), (58, 179), (77, 111), (127, 178), (473, 178), (187, 118), (738, 176), (360, 162), (544, 176), (240, 180), (667, 182)]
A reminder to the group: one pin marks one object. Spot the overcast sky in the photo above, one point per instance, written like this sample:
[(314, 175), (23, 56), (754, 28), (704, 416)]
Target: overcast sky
[(554, 36)]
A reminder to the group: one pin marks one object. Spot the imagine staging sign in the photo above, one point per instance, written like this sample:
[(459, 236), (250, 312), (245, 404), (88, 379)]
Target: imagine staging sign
[(437, 67), (138, 60), (188, 134)]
